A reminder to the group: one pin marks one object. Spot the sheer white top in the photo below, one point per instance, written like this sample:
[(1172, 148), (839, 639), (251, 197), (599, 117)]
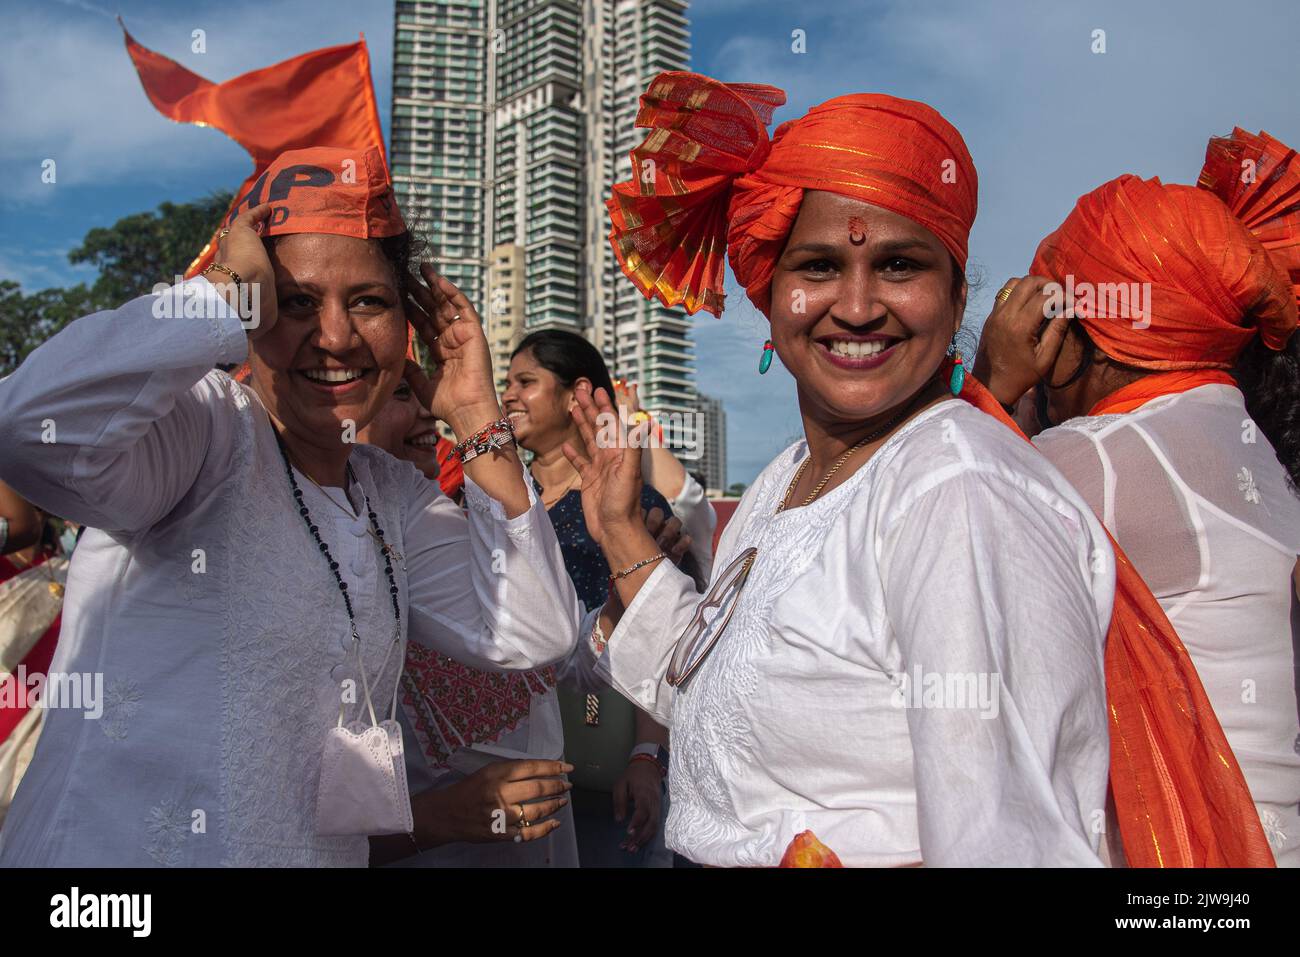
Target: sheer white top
[(1194, 494)]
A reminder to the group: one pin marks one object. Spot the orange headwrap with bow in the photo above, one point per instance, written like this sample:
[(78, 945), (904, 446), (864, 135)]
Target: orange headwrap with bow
[(708, 180), (1197, 272)]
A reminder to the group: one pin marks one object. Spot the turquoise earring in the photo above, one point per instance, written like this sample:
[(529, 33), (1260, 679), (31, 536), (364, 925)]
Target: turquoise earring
[(765, 362), (958, 378)]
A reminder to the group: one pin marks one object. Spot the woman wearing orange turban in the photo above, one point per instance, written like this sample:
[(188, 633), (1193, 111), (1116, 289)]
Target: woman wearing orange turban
[(1175, 377), (904, 645)]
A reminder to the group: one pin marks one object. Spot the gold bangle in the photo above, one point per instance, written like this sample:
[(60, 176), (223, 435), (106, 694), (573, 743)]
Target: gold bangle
[(225, 269)]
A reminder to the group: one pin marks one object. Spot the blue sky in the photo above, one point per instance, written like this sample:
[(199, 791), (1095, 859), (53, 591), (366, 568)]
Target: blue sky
[(1045, 118)]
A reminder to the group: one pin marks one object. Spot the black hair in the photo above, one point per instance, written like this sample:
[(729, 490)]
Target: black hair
[(569, 357), (1270, 381), (404, 252)]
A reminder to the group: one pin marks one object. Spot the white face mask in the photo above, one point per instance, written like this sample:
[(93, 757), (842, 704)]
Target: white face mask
[(363, 787)]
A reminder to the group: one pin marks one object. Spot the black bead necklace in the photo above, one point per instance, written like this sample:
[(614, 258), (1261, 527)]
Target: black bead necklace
[(334, 566)]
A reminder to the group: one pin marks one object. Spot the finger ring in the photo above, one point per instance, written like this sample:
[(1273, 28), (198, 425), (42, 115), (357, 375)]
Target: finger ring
[(1005, 293), (523, 816), (456, 318), (223, 233)]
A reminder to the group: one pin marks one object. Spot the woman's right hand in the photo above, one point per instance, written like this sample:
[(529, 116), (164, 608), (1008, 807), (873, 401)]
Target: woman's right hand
[(486, 807), (610, 471), (1017, 350), (242, 250)]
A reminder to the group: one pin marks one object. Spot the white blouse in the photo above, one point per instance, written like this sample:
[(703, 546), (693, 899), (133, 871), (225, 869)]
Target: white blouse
[(913, 670), (1194, 493), (200, 596)]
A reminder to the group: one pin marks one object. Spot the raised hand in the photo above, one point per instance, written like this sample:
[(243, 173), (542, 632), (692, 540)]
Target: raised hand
[(1019, 343), (609, 464), (460, 391), (240, 248)]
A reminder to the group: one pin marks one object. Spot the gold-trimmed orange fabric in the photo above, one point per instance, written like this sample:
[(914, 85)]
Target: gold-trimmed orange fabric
[(708, 178), (1180, 797), (1258, 178), (1211, 266)]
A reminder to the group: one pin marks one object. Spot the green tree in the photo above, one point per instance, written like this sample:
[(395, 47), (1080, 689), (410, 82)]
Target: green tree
[(143, 249), (27, 321), (133, 255)]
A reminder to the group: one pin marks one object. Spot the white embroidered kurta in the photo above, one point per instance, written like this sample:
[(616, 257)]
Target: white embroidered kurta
[(1194, 494), (200, 595), (958, 555)]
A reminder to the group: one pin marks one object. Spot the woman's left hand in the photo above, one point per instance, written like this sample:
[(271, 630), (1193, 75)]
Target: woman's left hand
[(460, 391), (642, 784)]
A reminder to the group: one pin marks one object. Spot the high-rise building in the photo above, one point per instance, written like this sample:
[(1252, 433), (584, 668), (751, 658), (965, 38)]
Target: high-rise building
[(512, 119), (712, 465)]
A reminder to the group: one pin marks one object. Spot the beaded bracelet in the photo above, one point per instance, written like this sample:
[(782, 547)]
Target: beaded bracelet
[(663, 772), (631, 568), (493, 436)]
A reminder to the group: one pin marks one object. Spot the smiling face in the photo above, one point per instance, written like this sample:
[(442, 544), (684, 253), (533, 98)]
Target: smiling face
[(863, 308), (537, 404), (339, 343), (405, 429)]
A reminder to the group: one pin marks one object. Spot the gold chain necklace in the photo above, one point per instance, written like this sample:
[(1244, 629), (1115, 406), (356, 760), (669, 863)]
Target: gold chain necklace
[(867, 440), (565, 490)]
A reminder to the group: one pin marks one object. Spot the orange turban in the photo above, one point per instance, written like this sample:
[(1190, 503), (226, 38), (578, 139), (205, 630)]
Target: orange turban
[(346, 192), (708, 179), (1187, 267)]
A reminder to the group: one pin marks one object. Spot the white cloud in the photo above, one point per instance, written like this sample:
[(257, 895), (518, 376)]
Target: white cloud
[(35, 269), (1045, 118)]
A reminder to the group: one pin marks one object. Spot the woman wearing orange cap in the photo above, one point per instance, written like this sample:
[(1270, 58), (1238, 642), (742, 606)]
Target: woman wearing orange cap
[(902, 649), (1176, 405), (238, 606)]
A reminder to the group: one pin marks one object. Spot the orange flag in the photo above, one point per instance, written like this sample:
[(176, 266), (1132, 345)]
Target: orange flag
[(321, 98)]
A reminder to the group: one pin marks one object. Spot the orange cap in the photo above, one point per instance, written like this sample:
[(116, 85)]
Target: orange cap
[(325, 189)]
